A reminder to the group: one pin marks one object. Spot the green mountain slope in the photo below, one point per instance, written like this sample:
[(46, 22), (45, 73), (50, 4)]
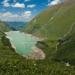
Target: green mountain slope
[(13, 64), (66, 50), (58, 26), (3, 27), (53, 24)]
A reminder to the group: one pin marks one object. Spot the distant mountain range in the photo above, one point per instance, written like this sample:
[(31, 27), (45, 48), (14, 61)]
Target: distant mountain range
[(16, 25)]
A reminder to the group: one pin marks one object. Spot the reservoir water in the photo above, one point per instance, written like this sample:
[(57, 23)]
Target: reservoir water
[(22, 42)]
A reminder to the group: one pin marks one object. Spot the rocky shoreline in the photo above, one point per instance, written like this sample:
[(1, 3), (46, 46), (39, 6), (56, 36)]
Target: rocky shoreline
[(36, 54)]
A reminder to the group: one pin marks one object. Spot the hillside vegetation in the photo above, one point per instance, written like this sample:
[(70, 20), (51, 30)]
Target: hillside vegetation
[(13, 64), (66, 50), (3, 28), (64, 16), (53, 24)]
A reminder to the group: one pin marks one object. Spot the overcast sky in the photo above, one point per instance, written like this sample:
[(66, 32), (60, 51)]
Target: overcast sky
[(23, 10)]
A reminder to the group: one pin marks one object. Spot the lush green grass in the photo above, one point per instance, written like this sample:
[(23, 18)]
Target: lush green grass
[(54, 30), (58, 26), (3, 27), (13, 64), (66, 51)]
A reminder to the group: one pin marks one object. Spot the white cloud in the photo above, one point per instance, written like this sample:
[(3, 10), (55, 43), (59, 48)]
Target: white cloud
[(27, 14), (5, 3), (31, 6), (8, 16), (54, 2), (18, 5)]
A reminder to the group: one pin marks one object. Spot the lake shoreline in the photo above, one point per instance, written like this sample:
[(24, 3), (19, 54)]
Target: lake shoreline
[(36, 53)]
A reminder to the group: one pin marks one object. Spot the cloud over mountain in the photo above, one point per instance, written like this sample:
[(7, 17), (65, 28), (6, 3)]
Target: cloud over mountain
[(54, 2), (8, 16)]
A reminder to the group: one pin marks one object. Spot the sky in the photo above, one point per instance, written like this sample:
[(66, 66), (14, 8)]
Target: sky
[(23, 10)]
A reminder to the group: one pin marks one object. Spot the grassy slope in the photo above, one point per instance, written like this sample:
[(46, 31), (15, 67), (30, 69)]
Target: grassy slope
[(13, 64), (66, 51), (3, 28), (56, 29), (58, 26)]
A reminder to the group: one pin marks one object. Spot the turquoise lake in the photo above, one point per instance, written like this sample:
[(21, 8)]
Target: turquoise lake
[(22, 42)]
